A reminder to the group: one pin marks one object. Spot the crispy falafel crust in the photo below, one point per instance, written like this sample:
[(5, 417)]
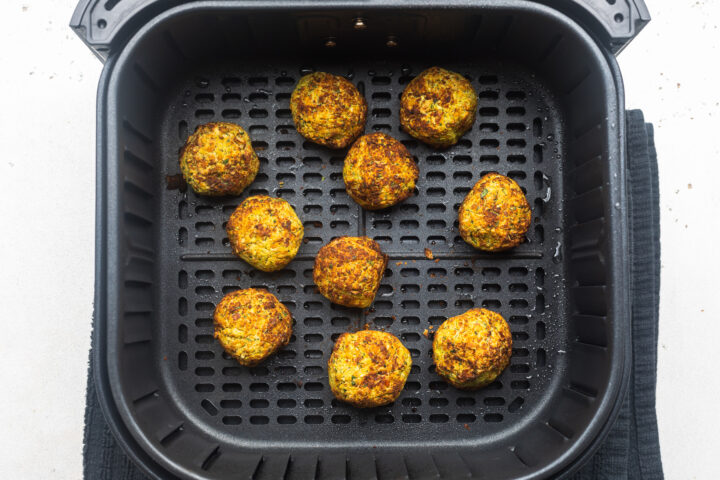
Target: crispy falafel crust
[(218, 159), (251, 325), (327, 109), (265, 232), (348, 270), (438, 107), (368, 368), (379, 171), (472, 349), (495, 215)]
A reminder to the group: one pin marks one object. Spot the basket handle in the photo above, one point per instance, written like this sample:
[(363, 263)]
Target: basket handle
[(104, 25)]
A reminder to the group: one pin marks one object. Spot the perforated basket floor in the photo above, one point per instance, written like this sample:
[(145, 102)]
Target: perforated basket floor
[(517, 133)]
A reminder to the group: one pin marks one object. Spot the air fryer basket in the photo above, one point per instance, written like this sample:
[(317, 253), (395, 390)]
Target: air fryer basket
[(550, 116)]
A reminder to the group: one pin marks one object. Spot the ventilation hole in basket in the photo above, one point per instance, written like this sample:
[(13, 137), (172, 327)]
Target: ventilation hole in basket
[(259, 420), (340, 419), (489, 158), (438, 402), (515, 404), (231, 371), (437, 304), (540, 330), (313, 354), (435, 320), (313, 419), (182, 236), (489, 143), (231, 403), (381, 96), (231, 387), (204, 290), (204, 114), (518, 287), (516, 143), (436, 288), (384, 418), (520, 368), (540, 304), (231, 420), (435, 176), (537, 154), (182, 279), (284, 81), (438, 385), (464, 304), (493, 417), (462, 176), (259, 387), (182, 361), (204, 339), (286, 419), (487, 79), (209, 407), (541, 359), (465, 418), (411, 418), (439, 418), (491, 304), (490, 287), (204, 387), (463, 272), (410, 337), (204, 354), (410, 320), (520, 385), (618, 18), (488, 95), (520, 336), (465, 402), (286, 403), (489, 112), (286, 387), (182, 331), (518, 303), (412, 386), (464, 288)]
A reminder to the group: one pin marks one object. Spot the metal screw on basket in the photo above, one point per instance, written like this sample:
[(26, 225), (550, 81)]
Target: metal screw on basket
[(330, 42), (391, 41), (359, 24)]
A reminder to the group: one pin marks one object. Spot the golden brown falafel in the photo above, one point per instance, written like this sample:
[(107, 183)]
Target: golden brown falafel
[(438, 107), (328, 109), (348, 270), (379, 171), (472, 349), (265, 232), (251, 325), (368, 368), (495, 215), (218, 159)]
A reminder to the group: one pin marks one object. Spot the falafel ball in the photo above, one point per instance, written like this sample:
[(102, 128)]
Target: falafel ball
[(495, 215), (251, 325), (368, 368), (472, 349), (379, 171), (265, 232), (348, 270), (328, 109), (438, 107), (218, 159)]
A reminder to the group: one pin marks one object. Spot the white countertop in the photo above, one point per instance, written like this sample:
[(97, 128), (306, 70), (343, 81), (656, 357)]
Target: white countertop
[(47, 176)]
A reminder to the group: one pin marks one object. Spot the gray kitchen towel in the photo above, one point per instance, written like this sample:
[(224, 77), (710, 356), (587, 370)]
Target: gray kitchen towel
[(631, 449)]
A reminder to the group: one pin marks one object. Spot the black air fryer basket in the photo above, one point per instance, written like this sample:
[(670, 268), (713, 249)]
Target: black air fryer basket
[(550, 116)]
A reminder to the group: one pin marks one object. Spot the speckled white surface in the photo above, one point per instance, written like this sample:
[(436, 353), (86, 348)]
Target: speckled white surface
[(47, 178)]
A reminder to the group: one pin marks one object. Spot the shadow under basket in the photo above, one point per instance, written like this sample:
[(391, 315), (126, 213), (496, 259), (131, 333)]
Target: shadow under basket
[(550, 116)]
